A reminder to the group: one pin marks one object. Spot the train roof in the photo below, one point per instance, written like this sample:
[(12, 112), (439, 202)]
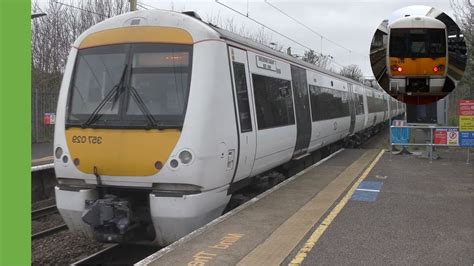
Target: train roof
[(233, 37), (199, 31), (417, 22)]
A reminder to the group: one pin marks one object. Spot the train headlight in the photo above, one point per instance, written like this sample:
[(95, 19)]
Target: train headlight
[(185, 157), (174, 163), (438, 68), (58, 152), (397, 68)]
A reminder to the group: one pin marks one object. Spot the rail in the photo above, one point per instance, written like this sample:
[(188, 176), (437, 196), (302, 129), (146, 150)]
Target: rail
[(36, 214), (49, 231), (431, 143)]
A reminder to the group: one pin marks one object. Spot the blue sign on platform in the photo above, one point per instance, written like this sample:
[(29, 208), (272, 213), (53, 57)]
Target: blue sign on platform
[(400, 135), (466, 139)]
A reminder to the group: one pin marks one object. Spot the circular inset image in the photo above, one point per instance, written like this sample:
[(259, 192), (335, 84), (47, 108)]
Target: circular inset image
[(418, 54)]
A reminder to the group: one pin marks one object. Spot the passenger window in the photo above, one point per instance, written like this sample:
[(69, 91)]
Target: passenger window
[(328, 103), (242, 97), (376, 105), (273, 101)]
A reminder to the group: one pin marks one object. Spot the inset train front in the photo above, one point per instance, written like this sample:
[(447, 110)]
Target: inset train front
[(417, 55), (161, 117)]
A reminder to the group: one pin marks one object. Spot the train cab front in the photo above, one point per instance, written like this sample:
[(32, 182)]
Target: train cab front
[(123, 105), (417, 60)]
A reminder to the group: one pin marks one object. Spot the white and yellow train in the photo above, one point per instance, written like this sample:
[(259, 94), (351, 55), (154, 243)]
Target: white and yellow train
[(162, 117), (417, 55)]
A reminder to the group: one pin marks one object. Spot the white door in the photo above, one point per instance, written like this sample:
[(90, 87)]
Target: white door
[(243, 98)]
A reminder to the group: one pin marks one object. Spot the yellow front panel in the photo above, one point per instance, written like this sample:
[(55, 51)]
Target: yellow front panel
[(137, 35), (417, 66), (118, 152)]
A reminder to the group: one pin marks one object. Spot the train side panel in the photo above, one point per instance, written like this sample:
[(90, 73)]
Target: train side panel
[(275, 145)]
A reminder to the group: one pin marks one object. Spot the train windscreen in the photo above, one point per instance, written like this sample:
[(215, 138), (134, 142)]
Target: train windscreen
[(417, 43), (130, 85)]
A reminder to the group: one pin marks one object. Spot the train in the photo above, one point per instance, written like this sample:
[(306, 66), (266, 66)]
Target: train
[(162, 117), (417, 55)]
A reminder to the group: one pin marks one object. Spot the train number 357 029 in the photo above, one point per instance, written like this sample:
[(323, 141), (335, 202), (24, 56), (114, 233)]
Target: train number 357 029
[(87, 139)]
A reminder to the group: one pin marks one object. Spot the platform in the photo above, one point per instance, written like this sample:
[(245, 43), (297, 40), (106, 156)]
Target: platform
[(357, 207)]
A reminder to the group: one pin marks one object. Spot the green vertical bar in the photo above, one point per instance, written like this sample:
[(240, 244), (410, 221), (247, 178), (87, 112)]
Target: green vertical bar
[(15, 141)]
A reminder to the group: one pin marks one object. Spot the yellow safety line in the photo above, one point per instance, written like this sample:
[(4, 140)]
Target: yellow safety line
[(311, 242)]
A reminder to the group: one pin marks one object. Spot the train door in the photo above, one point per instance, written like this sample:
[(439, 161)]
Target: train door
[(352, 107), (303, 117), (244, 102)]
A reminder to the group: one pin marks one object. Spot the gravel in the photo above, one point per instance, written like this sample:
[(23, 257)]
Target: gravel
[(42, 204), (46, 222), (63, 248)]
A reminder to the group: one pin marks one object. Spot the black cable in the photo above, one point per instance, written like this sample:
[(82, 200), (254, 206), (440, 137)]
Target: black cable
[(81, 9), (265, 26), (308, 28)]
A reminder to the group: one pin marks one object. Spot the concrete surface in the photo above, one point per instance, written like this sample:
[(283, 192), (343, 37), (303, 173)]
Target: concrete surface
[(423, 214)]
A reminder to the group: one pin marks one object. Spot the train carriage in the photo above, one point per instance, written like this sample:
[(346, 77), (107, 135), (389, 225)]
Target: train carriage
[(161, 117)]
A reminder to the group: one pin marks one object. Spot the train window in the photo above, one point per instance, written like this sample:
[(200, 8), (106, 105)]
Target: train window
[(242, 97), (96, 72), (360, 104), (328, 103), (376, 105), (437, 42), (160, 76), (273, 101), (416, 43), (155, 82)]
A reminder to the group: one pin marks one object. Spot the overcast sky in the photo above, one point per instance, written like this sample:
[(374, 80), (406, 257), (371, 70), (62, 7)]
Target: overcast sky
[(350, 23)]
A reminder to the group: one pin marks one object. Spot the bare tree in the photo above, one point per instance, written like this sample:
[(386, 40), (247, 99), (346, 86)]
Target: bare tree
[(52, 35), (464, 16), (353, 72), (310, 56), (259, 35), (320, 60)]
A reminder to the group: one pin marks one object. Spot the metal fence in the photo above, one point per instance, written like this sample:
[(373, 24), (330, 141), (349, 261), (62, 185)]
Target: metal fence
[(403, 138), (42, 102)]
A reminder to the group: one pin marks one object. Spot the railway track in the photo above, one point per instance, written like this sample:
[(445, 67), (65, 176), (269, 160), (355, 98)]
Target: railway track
[(36, 214), (49, 231), (43, 212), (43, 182), (123, 254)]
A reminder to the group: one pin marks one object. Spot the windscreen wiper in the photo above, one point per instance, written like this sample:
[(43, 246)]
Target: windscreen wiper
[(143, 107), (114, 92)]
